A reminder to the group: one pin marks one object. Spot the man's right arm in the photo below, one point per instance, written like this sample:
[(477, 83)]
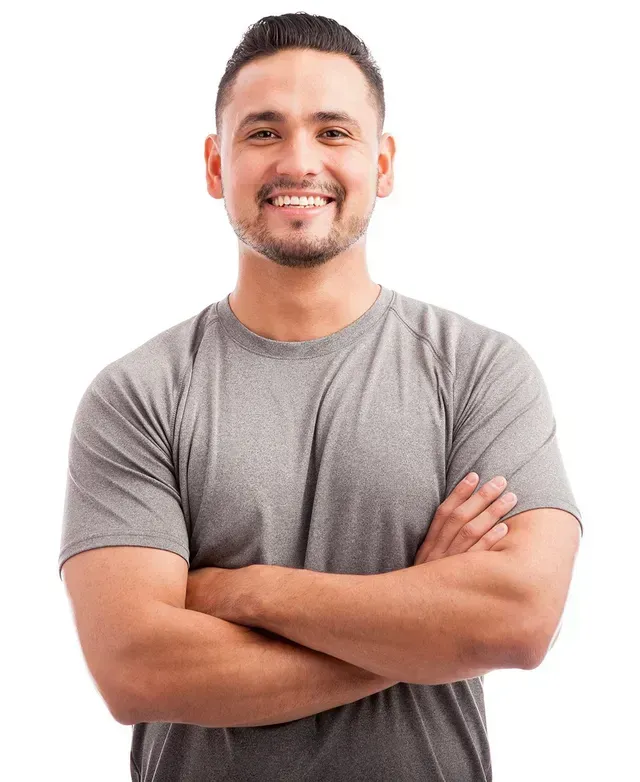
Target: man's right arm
[(194, 668), (154, 660)]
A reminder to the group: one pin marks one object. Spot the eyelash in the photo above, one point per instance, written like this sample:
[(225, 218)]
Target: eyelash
[(331, 130)]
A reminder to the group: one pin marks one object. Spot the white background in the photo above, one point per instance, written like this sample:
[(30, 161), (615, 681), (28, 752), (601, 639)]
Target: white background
[(516, 204)]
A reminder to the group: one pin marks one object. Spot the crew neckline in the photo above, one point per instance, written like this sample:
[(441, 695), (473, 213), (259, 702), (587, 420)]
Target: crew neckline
[(305, 348)]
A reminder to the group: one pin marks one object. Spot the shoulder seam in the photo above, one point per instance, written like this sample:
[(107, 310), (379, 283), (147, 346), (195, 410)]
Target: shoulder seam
[(424, 339), (94, 390), (181, 385), (176, 403)]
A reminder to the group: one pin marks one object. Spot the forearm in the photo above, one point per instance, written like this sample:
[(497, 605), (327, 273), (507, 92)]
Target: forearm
[(200, 670), (454, 618)]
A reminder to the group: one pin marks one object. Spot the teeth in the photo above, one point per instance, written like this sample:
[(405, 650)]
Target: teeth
[(300, 201)]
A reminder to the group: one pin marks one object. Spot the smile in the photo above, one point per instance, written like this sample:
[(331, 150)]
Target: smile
[(297, 211)]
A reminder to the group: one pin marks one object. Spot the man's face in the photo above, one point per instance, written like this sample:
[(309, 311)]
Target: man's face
[(297, 152)]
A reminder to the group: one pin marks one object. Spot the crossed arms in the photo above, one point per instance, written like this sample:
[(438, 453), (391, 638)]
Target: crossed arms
[(342, 637)]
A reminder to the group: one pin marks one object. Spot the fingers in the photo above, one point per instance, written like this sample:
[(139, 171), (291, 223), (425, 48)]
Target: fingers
[(490, 538), (486, 494), (480, 532), (461, 492), (464, 517)]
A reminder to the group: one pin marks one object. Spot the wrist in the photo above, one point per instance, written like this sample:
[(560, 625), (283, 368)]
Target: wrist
[(260, 602), (245, 603), (258, 589)]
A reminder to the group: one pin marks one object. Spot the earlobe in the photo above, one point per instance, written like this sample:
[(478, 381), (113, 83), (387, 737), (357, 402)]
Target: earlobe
[(385, 184)]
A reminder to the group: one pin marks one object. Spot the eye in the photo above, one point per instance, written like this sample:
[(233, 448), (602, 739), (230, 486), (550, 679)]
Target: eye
[(255, 135)]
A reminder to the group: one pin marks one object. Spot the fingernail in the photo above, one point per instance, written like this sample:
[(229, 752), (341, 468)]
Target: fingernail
[(498, 482), (472, 477)]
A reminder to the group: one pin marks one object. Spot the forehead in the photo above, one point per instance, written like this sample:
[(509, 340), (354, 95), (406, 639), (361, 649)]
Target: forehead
[(298, 83)]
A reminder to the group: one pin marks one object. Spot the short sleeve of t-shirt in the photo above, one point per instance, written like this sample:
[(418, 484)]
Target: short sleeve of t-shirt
[(121, 488), (503, 424)]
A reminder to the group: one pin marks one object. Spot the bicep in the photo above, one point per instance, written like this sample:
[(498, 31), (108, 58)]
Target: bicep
[(111, 590)]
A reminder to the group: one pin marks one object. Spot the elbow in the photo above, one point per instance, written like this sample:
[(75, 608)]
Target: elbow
[(538, 649), (519, 645), (124, 718), (534, 647), (114, 686), (530, 658), (132, 710), (126, 706), (120, 705), (132, 686)]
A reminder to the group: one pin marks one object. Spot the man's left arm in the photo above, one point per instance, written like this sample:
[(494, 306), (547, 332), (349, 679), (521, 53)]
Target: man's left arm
[(450, 619), (442, 621)]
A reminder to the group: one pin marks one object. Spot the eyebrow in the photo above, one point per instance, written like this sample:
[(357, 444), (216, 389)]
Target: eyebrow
[(317, 116)]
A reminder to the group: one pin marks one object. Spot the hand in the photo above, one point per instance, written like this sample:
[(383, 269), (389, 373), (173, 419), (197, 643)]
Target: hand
[(465, 521)]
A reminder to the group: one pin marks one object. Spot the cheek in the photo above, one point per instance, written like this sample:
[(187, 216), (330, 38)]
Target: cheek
[(356, 173), (248, 171)]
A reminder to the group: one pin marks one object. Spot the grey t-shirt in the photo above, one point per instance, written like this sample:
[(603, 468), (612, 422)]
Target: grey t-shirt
[(330, 454)]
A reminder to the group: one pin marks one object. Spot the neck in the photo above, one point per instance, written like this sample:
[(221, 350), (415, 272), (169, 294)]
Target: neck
[(294, 307)]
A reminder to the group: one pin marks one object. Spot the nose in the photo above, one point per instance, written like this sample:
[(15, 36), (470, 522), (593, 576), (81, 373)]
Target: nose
[(299, 157)]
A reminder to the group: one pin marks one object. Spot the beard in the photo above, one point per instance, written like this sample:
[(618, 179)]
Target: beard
[(299, 245)]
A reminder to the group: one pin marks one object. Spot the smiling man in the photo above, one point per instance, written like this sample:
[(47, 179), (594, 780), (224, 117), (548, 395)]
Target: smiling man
[(300, 162), (296, 439)]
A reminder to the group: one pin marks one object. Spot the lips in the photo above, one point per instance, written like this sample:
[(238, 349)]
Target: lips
[(297, 211), (326, 198)]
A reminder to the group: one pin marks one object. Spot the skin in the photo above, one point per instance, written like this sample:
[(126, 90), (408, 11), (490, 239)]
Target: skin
[(300, 278)]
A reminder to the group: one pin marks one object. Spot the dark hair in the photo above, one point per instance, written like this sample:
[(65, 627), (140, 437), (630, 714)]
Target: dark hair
[(300, 30)]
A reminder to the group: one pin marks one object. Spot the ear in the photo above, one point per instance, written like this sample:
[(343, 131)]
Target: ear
[(386, 153), (213, 160)]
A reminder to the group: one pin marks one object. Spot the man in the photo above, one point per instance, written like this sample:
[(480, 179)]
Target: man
[(292, 444)]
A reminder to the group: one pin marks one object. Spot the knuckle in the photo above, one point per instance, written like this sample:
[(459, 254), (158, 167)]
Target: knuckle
[(499, 505), (487, 491), (468, 532), (456, 516)]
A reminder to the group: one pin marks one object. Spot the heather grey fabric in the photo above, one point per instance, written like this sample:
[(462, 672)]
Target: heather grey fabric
[(228, 448)]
